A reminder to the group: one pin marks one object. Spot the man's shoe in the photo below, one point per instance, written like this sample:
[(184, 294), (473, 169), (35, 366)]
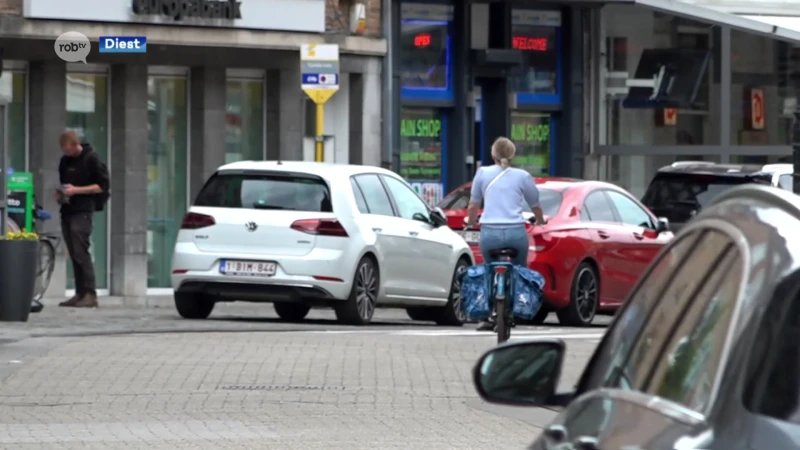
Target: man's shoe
[(71, 302), (87, 301)]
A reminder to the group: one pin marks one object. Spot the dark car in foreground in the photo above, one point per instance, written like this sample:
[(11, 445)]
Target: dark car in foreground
[(679, 191), (704, 353)]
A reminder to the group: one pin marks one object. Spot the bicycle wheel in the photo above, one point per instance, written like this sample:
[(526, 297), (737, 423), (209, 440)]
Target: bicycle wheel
[(501, 324), (47, 262)]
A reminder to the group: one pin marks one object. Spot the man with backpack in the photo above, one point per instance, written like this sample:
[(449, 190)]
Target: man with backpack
[(84, 190)]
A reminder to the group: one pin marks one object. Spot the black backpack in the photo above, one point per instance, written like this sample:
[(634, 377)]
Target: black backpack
[(101, 172)]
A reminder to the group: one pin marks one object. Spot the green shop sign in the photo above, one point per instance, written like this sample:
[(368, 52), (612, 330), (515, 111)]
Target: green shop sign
[(420, 128), (530, 133)]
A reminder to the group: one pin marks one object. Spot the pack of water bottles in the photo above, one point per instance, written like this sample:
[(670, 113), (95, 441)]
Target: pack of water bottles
[(477, 296)]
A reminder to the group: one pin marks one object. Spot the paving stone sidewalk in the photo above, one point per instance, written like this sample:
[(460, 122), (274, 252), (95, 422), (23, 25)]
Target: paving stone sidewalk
[(55, 321), (227, 317), (256, 391)]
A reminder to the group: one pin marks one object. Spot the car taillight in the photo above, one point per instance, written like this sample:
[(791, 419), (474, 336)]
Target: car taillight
[(320, 227), (543, 242), (194, 221)]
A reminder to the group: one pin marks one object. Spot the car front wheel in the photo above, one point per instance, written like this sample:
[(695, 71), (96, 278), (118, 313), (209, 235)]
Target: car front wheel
[(584, 298)]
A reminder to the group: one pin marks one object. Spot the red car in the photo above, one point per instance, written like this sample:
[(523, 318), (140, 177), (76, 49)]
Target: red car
[(598, 241)]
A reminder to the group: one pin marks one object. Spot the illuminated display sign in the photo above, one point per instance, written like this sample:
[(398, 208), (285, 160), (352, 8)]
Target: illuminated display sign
[(522, 132), (424, 55), (422, 40), (530, 132), (529, 43), (420, 128), (420, 145)]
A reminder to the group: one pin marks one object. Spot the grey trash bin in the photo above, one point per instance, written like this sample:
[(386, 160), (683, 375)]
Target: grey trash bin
[(18, 266)]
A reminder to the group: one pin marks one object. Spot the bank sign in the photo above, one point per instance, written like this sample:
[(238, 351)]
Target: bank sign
[(185, 9), (280, 15)]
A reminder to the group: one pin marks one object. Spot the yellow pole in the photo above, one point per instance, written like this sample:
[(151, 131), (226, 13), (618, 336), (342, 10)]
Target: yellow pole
[(320, 132)]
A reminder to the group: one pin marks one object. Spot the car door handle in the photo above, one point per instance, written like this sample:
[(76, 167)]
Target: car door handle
[(413, 233), (603, 234), (587, 443), (638, 236), (377, 230)]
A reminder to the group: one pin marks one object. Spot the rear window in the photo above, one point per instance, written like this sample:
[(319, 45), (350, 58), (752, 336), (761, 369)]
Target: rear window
[(694, 191), (549, 199), (266, 191)]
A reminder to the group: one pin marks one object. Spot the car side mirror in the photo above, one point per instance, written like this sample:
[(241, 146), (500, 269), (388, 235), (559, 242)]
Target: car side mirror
[(438, 219), (520, 374), (662, 225)]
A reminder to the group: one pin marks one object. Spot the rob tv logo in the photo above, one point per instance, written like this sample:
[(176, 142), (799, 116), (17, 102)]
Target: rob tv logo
[(123, 44)]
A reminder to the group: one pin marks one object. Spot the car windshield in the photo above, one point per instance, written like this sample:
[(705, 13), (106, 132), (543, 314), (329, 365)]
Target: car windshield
[(266, 191), (459, 199)]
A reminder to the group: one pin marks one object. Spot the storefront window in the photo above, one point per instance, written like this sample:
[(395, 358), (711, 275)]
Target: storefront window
[(87, 115), (244, 121), (535, 34), (638, 43), (421, 133), (532, 134), (166, 173), (12, 88), (425, 50), (764, 90)]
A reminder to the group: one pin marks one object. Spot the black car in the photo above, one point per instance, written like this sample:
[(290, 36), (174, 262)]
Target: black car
[(679, 191), (703, 355)]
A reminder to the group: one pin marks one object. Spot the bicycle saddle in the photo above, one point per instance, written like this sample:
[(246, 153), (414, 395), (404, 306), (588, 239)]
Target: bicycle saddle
[(510, 252)]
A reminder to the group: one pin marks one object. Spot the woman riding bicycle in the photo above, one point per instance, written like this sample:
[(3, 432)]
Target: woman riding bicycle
[(504, 191)]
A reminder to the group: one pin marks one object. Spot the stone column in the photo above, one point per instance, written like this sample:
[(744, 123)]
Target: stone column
[(285, 116), (48, 119), (128, 204), (207, 99)]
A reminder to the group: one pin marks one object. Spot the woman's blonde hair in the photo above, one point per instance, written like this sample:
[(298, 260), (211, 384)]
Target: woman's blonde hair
[(503, 150)]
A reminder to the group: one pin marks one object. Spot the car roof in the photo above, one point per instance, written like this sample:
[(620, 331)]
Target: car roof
[(324, 170), (733, 170)]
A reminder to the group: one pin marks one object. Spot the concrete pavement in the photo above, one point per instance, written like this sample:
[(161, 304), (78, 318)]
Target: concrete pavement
[(269, 385)]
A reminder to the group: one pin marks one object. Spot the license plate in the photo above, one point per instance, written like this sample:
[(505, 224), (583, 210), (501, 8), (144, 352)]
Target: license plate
[(471, 237), (248, 268)]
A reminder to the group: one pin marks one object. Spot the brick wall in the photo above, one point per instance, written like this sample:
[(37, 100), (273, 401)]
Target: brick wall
[(11, 7), (337, 16)]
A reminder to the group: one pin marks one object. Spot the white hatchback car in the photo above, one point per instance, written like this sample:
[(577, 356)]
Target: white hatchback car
[(303, 234)]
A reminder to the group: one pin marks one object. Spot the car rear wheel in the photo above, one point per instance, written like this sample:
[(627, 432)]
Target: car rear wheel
[(452, 313), (359, 307), (291, 312), (584, 298), (192, 305), (421, 314)]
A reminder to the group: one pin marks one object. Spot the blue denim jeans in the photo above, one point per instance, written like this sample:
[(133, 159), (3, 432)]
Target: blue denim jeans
[(496, 238)]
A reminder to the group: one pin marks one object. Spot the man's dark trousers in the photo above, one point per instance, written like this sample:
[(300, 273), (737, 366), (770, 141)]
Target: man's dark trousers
[(77, 231)]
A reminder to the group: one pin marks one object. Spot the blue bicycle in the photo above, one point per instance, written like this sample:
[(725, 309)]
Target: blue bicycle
[(501, 290)]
